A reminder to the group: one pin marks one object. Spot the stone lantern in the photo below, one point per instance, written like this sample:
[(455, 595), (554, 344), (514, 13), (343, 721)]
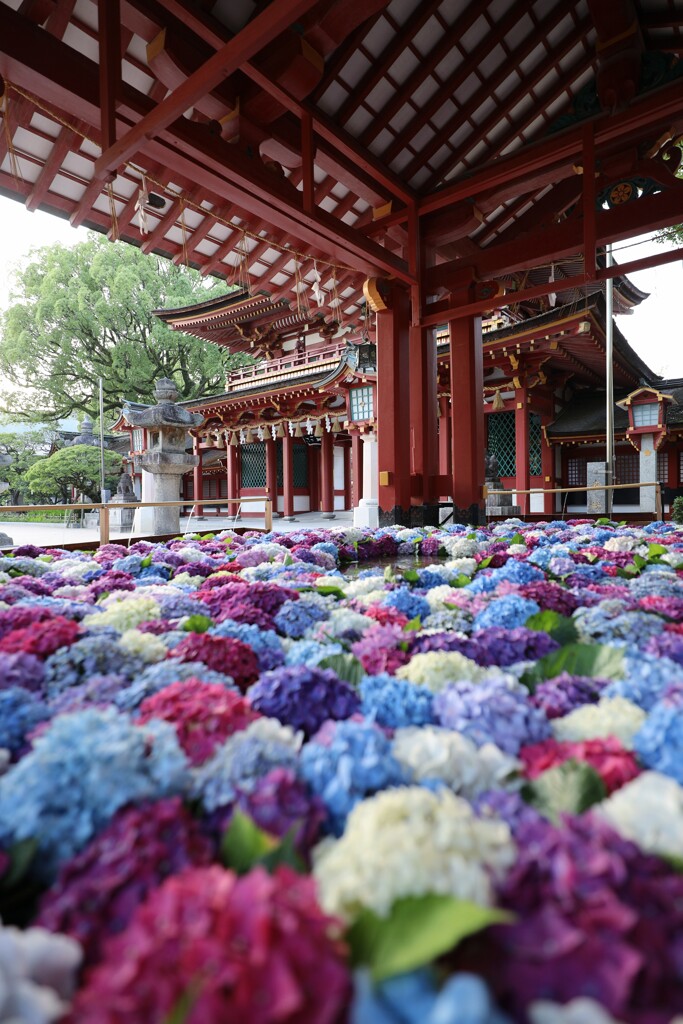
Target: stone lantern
[(167, 425)]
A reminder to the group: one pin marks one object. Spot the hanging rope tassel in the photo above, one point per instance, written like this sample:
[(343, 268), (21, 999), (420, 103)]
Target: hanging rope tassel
[(14, 165), (112, 212)]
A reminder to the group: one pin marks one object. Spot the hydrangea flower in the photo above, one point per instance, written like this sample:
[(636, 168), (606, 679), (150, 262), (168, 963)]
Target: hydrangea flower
[(243, 759), (41, 638), (562, 694), (412, 605), (434, 755), (495, 711), (273, 954), (508, 612), (90, 656), (436, 670), (303, 697), (25, 670), (37, 975), (296, 617), (382, 649), (80, 771), (614, 764), (649, 812), (20, 712), (344, 763), (222, 654), (265, 643), (395, 702), (611, 716), (124, 612), (97, 891), (408, 842)]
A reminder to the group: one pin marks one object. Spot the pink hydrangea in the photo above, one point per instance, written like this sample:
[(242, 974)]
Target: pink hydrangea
[(615, 765), (204, 714), (221, 653), (256, 949), (41, 638)]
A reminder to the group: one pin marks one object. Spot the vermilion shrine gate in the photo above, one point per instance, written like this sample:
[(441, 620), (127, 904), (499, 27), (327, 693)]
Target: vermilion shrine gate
[(430, 161)]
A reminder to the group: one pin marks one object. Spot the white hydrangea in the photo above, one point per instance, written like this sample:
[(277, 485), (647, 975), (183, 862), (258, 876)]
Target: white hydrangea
[(410, 842), (431, 752), (459, 547), (122, 612), (611, 716), (461, 566), (143, 645), (436, 669), (360, 588), (620, 544), (372, 597), (517, 549), (76, 569), (37, 975), (648, 811), (72, 592), (349, 536), (437, 597), (343, 620), (582, 1010), (184, 580), (673, 558), (190, 554)]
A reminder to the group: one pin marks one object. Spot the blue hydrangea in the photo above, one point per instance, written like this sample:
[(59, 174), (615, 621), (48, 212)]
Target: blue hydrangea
[(328, 548), (415, 998), (431, 577), (265, 643), (506, 806), (350, 761), (156, 677), (20, 712), (607, 623), (494, 711), (366, 574), (310, 652), (129, 563), (92, 655), (508, 612), (515, 571), (396, 703), (23, 566), (646, 677), (176, 606), (659, 741), (295, 617), (241, 761), (81, 770), (656, 584), (409, 603)]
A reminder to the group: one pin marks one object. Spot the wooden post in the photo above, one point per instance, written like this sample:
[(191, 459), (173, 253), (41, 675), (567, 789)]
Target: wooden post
[(198, 479), (288, 475), (522, 448), (467, 418), (104, 524), (271, 471), (347, 476), (356, 468), (393, 405), (327, 472), (547, 467), (269, 515), (423, 417)]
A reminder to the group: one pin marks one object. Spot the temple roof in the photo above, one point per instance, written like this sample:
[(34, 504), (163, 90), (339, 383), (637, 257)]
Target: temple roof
[(275, 144)]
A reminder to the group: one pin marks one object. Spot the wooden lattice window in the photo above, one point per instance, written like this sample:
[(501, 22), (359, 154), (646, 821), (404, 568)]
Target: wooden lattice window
[(253, 458), (299, 466), (663, 468), (577, 473), (627, 468), (501, 441), (535, 443)]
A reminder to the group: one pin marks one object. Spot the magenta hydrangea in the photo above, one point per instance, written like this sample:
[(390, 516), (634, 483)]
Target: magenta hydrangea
[(256, 949), (98, 890)]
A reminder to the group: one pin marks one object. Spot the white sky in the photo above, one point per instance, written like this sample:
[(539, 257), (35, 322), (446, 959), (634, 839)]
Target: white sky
[(655, 329)]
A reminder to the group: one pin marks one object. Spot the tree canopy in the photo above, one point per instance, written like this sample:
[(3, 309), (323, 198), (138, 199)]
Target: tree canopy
[(84, 312), (77, 467), (23, 449)]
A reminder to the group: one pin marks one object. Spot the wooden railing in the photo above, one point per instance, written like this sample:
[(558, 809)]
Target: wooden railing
[(582, 490), (292, 361), (105, 510)]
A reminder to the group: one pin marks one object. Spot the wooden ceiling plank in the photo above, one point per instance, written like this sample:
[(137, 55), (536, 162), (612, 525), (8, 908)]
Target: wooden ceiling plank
[(452, 83), (380, 65), (263, 28), (517, 95)]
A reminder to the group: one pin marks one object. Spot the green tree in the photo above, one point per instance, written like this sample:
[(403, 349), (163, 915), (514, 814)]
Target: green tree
[(84, 312), (77, 467), (23, 449)]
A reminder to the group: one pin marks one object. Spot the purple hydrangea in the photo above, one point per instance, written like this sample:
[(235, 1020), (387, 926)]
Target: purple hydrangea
[(20, 669), (562, 694), (303, 697), (494, 711)]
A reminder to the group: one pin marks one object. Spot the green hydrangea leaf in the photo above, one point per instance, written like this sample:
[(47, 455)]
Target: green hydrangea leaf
[(347, 667), (244, 844), (197, 623), (569, 788), (559, 627), (417, 930)]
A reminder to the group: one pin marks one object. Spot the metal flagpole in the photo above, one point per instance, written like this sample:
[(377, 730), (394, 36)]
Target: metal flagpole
[(609, 376), (103, 496)]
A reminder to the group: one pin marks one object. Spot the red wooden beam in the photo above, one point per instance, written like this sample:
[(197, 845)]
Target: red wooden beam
[(66, 140), (307, 161), (109, 38), (263, 28), (588, 184), (660, 107)]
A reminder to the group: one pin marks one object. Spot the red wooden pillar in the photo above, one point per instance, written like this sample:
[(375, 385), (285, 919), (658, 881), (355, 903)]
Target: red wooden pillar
[(314, 477), (198, 480), (327, 472), (467, 418), (232, 459), (393, 403), (522, 448), (271, 472), (356, 468), (288, 475), (424, 452), (444, 442), (547, 468), (347, 476)]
